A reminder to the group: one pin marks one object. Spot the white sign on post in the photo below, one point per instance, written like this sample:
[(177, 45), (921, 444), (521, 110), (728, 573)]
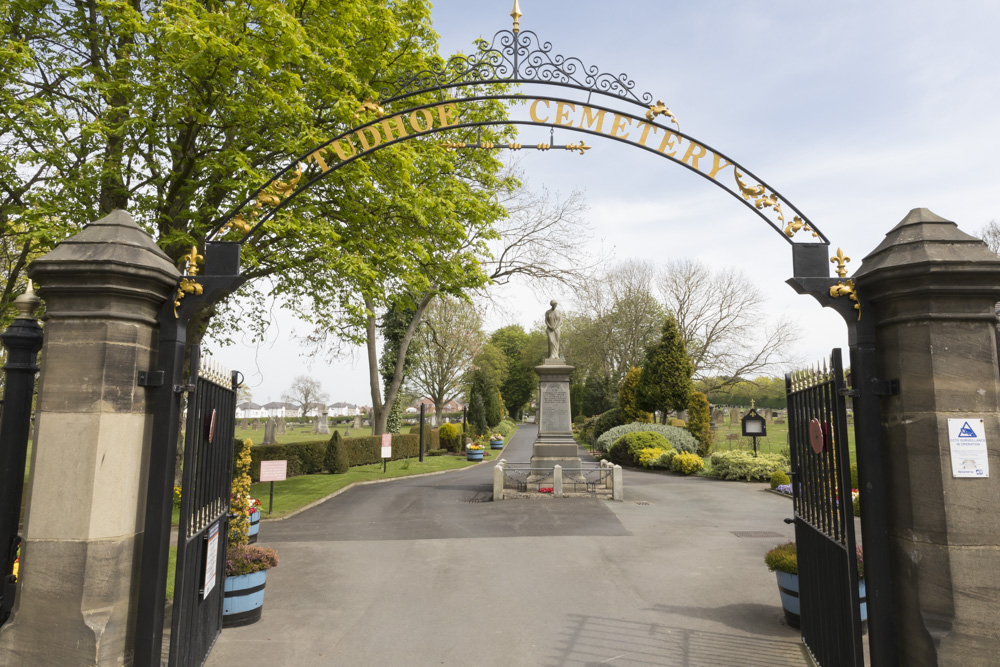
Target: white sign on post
[(273, 471), (387, 445), (211, 560), (967, 438)]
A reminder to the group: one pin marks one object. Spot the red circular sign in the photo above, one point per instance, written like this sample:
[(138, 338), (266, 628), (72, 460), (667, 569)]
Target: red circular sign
[(816, 435)]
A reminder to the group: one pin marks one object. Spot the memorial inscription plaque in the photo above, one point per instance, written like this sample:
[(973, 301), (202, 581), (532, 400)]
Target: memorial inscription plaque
[(555, 408)]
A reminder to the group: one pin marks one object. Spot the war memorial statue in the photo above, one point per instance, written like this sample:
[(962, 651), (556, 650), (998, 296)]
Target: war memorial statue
[(554, 443)]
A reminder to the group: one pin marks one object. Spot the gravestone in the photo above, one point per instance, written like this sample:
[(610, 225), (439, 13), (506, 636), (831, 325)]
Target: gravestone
[(280, 428), (717, 416), (347, 432), (323, 423), (357, 421), (683, 416), (732, 436), (243, 424), (734, 417), (769, 415), (269, 428)]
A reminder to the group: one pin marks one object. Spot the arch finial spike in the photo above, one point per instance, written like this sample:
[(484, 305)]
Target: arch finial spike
[(516, 15)]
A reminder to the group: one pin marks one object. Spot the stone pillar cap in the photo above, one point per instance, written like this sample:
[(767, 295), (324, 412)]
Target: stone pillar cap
[(923, 237), (113, 241)]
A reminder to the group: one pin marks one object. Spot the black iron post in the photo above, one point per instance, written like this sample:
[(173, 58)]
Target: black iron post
[(222, 278), (872, 478), (23, 340), (422, 408)]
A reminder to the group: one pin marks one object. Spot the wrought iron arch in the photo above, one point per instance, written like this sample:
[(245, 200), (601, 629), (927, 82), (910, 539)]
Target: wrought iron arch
[(517, 59)]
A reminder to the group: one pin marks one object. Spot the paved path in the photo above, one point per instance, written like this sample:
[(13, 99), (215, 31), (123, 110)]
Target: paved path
[(421, 571)]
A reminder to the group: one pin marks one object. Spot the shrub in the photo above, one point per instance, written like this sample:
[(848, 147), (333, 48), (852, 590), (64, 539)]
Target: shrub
[(432, 436), (782, 558), (738, 464), (665, 460), (627, 449), (436, 452), (854, 476), (450, 437), (686, 463), (249, 558), (700, 422), (368, 449), (627, 399), (679, 423), (778, 478), (678, 437), (603, 423), (239, 498), (857, 505), (337, 460), (649, 455), (505, 427), (578, 420)]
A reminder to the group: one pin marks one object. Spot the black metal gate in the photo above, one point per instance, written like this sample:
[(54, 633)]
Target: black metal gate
[(824, 517), (201, 536)]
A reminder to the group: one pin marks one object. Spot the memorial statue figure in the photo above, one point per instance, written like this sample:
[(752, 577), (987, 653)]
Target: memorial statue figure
[(553, 320)]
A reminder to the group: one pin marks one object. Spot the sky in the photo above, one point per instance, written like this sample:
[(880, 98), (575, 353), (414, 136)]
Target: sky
[(856, 112)]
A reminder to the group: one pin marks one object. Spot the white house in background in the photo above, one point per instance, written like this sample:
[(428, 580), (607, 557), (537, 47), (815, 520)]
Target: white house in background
[(450, 406), (314, 410), (342, 409), (250, 410), (280, 410)]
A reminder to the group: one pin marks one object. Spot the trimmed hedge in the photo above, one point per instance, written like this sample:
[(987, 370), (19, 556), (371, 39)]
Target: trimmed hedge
[(304, 458), (308, 458), (432, 436), (368, 449)]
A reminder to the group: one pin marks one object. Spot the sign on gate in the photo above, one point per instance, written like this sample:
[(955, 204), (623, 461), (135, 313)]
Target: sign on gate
[(211, 560)]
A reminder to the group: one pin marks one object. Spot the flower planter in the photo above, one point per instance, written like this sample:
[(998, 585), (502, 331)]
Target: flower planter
[(788, 588), (254, 526), (496, 444), (474, 455), (244, 599)]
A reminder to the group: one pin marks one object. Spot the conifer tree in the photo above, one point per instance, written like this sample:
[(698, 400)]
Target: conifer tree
[(665, 382)]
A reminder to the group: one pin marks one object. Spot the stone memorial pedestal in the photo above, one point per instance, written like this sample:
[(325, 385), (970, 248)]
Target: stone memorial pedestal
[(555, 444)]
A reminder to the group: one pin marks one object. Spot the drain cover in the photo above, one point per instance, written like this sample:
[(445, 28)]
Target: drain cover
[(755, 533), (643, 502)]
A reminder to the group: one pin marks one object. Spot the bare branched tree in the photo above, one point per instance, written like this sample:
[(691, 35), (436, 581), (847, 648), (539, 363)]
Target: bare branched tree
[(717, 314), (451, 336), (540, 240), (306, 392), (617, 318), (990, 233)]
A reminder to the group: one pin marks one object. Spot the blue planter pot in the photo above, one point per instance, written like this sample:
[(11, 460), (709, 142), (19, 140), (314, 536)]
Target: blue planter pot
[(788, 588), (254, 527), (496, 444), (244, 599), (474, 455)]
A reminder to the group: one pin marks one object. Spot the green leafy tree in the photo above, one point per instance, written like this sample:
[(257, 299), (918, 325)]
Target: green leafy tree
[(700, 422), (599, 394), (478, 423), (665, 382), (520, 382), (628, 400)]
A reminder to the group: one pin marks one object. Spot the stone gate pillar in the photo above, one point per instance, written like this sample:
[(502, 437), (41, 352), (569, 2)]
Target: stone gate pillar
[(86, 498), (932, 291)]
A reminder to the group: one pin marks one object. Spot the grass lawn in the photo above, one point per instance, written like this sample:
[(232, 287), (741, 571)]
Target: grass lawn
[(296, 492), (776, 440), (171, 571)]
